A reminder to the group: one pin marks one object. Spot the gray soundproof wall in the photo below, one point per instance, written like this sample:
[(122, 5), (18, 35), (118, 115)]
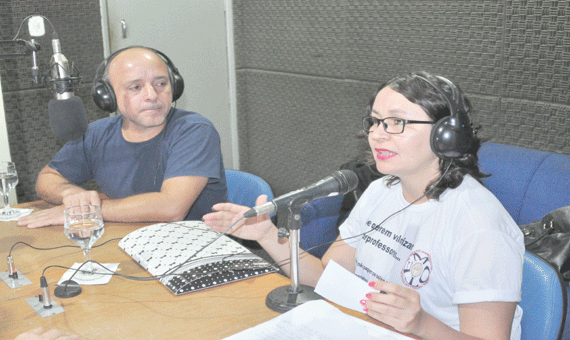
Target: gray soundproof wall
[(78, 24), (306, 69)]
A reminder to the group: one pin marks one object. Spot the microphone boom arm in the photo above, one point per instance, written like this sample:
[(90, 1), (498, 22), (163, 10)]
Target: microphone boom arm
[(30, 46)]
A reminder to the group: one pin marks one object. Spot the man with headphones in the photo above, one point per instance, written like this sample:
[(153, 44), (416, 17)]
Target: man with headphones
[(153, 162)]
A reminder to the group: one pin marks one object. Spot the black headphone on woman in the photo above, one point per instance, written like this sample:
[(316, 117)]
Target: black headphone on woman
[(451, 136), (104, 95)]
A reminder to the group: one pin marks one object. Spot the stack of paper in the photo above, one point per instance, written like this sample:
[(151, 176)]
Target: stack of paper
[(317, 320)]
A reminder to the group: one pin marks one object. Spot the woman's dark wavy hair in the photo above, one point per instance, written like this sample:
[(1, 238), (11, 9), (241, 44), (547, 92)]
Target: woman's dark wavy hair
[(435, 105)]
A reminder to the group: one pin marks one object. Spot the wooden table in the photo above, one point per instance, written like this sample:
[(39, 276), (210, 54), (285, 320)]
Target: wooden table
[(123, 309)]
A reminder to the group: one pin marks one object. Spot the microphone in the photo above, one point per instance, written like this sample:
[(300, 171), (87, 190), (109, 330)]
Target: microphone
[(340, 182), (45, 292), (67, 115)]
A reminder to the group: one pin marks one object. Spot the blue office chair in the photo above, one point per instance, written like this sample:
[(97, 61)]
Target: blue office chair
[(319, 224), (543, 300), (244, 188)]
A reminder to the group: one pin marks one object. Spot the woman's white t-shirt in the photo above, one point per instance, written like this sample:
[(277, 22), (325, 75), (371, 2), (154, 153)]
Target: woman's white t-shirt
[(464, 248)]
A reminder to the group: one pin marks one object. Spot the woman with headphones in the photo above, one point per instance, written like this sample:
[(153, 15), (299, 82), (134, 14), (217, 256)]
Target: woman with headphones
[(441, 255)]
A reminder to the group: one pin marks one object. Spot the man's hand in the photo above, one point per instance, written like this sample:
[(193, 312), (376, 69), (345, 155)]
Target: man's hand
[(54, 216), (82, 198), (43, 218)]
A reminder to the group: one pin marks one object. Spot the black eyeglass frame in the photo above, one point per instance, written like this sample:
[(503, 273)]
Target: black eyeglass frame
[(377, 121)]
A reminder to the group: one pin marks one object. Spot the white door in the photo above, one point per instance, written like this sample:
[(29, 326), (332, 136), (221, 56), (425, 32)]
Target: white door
[(192, 33)]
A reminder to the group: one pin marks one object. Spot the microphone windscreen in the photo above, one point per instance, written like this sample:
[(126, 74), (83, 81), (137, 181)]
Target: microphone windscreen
[(67, 118), (347, 179)]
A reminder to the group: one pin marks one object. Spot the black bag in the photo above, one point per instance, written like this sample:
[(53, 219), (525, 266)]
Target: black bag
[(366, 174), (549, 238)]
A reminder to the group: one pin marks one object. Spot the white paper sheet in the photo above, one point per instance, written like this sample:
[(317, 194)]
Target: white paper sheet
[(317, 320), (103, 279), (342, 287)]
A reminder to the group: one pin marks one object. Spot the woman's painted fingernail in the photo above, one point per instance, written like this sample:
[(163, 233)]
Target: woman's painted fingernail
[(365, 310), (363, 302), (372, 284), (369, 296)]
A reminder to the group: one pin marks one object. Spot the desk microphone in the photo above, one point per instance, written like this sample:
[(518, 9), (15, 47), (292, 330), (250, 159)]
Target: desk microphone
[(340, 182), (12, 272), (45, 293)]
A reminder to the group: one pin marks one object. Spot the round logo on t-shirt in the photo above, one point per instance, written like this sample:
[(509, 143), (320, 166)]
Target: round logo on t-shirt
[(417, 269)]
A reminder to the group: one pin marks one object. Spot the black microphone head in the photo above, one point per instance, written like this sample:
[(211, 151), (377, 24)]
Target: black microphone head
[(67, 118), (347, 179)]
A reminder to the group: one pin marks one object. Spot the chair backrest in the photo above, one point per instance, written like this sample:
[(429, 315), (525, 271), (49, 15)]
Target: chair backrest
[(543, 300), (244, 188), (529, 183), (319, 224)]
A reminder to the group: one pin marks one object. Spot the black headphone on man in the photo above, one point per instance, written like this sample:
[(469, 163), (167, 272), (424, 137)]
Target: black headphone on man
[(104, 95), (451, 136)]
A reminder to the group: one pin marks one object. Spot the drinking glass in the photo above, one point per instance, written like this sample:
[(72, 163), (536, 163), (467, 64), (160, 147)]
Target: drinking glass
[(83, 225), (9, 179)]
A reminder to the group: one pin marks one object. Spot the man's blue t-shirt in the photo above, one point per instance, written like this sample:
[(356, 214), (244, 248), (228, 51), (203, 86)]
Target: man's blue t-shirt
[(188, 146)]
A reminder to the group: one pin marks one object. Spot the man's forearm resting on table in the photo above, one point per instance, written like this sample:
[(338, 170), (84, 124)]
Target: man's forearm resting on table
[(172, 203), (53, 187)]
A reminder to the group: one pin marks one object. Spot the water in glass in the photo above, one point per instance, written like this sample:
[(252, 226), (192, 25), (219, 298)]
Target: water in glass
[(8, 180), (83, 225)]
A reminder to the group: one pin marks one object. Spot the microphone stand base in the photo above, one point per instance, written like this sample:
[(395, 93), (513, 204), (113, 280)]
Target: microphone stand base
[(283, 299), (67, 289)]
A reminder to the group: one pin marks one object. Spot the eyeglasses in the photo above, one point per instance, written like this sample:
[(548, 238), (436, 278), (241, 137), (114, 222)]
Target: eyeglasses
[(392, 125)]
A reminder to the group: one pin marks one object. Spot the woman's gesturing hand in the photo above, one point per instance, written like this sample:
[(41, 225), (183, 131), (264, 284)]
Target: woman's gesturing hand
[(225, 214)]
